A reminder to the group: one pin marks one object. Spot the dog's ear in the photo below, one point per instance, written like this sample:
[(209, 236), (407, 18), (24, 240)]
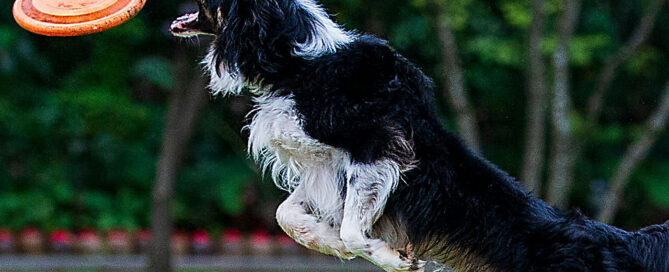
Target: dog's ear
[(267, 14)]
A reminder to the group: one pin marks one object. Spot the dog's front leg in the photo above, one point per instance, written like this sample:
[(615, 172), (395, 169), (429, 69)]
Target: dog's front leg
[(307, 230), (368, 188)]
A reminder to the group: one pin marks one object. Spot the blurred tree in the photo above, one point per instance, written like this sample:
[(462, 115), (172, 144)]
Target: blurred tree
[(452, 74), (562, 163), (185, 102), (533, 158), (635, 154)]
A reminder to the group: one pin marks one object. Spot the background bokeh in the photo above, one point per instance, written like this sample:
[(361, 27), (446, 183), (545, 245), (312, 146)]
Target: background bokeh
[(81, 119)]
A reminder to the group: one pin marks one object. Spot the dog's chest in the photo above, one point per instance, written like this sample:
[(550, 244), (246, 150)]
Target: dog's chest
[(295, 160)]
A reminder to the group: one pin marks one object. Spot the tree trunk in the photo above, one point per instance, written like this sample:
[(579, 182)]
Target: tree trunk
[(595, 102), (607, 75), (454, 87), (635, 154), (562, 163), (533, 159), (184, 106)]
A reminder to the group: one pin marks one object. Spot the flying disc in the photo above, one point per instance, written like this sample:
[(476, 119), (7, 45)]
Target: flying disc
[(73, 17)]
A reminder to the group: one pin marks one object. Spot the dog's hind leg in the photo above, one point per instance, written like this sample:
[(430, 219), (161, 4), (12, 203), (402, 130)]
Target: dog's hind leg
[(367, 191), (308, 230)]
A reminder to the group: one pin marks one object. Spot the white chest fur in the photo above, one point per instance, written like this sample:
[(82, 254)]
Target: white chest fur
[(295, 160)]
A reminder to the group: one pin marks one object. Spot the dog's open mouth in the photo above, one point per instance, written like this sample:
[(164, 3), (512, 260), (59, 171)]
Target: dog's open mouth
[(193, 24), (188, 25)]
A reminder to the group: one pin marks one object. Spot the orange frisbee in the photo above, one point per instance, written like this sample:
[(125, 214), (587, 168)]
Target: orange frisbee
[(73, 17)]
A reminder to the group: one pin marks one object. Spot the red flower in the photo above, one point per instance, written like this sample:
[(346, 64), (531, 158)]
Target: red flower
[(60, 236), (201, 237), (231, 236), (87, 235), (118, 235), (5, 235), (144, 235), (260, 237)]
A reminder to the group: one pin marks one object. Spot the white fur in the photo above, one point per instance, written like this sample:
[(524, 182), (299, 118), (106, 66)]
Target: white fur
[(367, 191), (327, 37), (307, 229), (310, 171), (377, 181), (278, 142), (227, 82)]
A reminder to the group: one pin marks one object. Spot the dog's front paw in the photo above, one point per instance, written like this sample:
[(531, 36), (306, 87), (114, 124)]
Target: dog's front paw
[(406, 265), (407, 256), (414, 265), (402, 260)]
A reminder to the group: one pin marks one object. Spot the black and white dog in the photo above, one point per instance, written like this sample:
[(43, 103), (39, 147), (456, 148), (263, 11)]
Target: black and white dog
[(349, 128)]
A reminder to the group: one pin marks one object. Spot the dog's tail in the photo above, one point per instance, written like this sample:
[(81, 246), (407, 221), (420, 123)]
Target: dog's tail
[(652, 247)]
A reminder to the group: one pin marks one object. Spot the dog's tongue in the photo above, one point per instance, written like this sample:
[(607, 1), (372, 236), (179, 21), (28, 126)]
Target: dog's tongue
[(186, 24)]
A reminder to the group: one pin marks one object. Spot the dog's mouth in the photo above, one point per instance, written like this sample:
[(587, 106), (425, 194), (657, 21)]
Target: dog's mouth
[(193, 24)]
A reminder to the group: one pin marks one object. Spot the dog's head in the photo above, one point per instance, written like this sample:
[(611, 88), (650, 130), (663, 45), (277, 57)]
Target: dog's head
[(255, 38), (234, 25), (206, 21)]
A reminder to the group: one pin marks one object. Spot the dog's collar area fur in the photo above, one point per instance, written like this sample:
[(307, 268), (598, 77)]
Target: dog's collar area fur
[(349, 127)]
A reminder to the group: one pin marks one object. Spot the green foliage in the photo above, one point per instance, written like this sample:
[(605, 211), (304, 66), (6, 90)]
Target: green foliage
[(655, 183), (582, 48), (224, 179), (456, 12), (641, 63), (156, 70), (497, 51), (517, 13)]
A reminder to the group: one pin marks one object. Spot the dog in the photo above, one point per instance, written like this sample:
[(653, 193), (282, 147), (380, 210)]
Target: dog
[(349, 128)]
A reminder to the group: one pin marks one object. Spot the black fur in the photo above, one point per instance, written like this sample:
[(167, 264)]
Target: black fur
[(457, 207)]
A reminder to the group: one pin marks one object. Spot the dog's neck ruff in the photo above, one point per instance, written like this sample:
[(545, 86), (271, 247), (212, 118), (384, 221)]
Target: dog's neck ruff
[(278, 142), (222, 80)]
